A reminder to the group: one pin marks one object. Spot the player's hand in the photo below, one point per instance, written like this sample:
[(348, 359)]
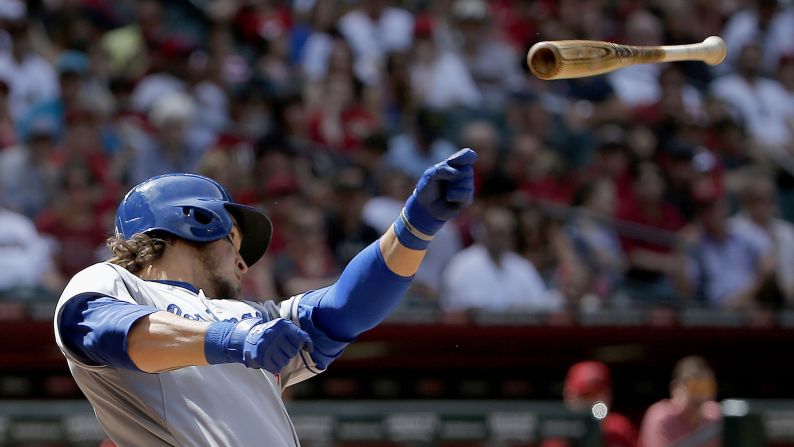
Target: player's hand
[(444, 190), (268, 345)]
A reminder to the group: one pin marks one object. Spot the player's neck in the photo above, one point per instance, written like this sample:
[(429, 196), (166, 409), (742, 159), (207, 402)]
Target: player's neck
[(173, 267)]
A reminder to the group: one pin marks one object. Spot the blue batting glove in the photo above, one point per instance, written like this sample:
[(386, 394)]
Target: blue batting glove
[(444, 190), (255, 343)]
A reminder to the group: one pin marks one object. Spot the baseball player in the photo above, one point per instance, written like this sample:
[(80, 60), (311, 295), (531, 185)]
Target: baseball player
[(168, 354)]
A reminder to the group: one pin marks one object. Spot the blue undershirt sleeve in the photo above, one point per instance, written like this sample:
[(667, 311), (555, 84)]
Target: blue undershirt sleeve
[(363, 296), (96, 326)]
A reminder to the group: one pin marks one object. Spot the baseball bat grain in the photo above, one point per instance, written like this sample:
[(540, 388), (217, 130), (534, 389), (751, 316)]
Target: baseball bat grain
[(564, 59)]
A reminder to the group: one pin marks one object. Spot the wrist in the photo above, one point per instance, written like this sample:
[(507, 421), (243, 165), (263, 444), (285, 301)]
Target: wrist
[(420, 218), (408, 235), (224, 341), (216, 340)]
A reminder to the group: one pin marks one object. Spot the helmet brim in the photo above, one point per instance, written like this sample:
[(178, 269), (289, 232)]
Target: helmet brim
[(256, 229)]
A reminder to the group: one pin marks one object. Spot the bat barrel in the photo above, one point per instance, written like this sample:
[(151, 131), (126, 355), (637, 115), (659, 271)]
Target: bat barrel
[(544, 60)]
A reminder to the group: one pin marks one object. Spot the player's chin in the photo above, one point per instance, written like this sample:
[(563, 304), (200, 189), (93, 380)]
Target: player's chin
[(227, 288)]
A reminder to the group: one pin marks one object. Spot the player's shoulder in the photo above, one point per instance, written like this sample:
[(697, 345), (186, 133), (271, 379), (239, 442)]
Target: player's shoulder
[(104, 278)]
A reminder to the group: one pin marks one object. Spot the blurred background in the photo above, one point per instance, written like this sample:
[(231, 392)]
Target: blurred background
[(627, 221)]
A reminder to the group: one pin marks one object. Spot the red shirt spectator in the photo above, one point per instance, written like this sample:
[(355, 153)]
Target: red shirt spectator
[(647, 226), (588, 383), (341, 123)]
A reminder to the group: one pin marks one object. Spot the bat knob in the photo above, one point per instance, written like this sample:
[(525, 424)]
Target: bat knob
[(543, 60), (717, 50)]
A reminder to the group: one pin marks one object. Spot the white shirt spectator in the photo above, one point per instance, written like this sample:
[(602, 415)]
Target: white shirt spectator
[(30, 81), (445, 82), (638, 85), (24, 255), (473, 280), (762, 104), (371, 40), (153, 87), (721, 268), (777, 41)]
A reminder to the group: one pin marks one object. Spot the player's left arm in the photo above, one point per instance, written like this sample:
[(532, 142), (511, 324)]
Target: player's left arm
[(376, 279)]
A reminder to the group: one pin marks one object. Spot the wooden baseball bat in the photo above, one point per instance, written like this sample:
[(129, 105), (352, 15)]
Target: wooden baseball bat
[(563, 59)]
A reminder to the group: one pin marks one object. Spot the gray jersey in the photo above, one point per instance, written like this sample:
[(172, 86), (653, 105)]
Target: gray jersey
[(216, 405)]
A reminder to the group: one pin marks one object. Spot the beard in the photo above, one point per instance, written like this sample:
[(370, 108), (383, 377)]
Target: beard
[(217, 285)]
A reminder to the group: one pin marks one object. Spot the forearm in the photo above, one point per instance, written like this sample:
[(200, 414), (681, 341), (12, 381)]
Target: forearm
[(163, 341), (400, 259), (367, 291)]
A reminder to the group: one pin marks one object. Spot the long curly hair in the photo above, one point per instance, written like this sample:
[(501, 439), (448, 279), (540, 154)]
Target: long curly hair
[(136, 253)]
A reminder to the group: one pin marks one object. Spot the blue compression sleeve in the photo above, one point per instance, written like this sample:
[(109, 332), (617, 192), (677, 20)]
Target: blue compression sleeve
[(363, 296), (96, 326)]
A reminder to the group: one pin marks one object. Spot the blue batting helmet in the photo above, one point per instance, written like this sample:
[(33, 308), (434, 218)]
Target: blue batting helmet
[(195, 208)]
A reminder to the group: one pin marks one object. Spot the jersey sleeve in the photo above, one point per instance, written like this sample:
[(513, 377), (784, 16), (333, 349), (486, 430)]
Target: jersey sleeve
[(98, 280)]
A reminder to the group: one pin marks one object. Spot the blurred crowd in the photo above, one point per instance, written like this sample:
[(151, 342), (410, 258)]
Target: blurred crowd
[(662, 184), (690, 416)]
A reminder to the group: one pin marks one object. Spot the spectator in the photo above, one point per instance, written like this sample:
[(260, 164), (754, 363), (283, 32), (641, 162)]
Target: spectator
[(540, 239), (307, 263), (421, 145), (759, 103), (490, 275), (322, 41), (168, 74), (371, 158), (647, 228), (439, 78), (128, 47), (72, 68), (28, 172), (690, 416), (493, 64), (588, 383), (374, 30), (679, 103), (341, 122), (172, 147), (592, 236), (772, 236), (25, 257), (31, 78), (765, 22), (347, 232), (639, 85), (536, 171), (724, 267), (73, 220), (483, 135)]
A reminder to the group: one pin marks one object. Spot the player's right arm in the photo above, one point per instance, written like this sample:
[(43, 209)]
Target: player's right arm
[(101, 330)]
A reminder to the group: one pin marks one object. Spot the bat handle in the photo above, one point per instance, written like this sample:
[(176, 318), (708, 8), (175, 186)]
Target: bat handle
[(711, 51)]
